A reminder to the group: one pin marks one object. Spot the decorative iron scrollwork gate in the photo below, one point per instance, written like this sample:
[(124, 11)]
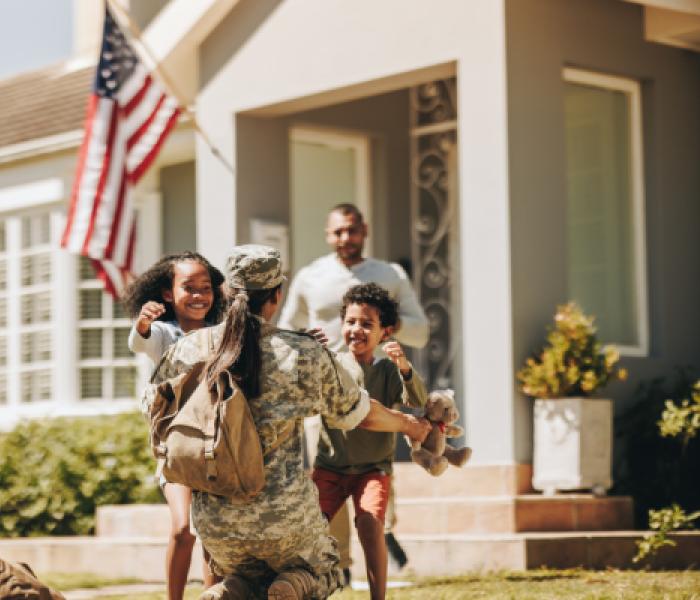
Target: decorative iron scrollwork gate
[(434, 211)]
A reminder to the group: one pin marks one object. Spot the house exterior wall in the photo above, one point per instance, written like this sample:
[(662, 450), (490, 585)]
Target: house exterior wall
[(177, 187), (543, 36), (270, 58)]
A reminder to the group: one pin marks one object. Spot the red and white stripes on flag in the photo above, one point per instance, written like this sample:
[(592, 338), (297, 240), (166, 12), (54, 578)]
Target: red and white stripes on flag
[(129, 116)]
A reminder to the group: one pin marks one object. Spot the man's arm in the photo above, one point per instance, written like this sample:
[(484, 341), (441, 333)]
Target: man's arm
[(413, 325), (295, 313), (381, 418)]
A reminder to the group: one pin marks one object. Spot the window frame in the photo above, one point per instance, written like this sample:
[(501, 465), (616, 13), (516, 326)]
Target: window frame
[(633, 91), (17, 368), (107, 325)]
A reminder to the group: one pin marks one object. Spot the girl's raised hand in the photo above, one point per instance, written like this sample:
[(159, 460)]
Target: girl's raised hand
[(395, 352), (149, 313)]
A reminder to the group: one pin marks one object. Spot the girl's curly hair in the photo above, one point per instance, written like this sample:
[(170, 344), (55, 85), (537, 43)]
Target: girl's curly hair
[(373, 295), (150, 285)]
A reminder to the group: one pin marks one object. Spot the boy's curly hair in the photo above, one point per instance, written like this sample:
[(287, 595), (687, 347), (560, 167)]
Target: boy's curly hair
[(150, 285), (373, 295)]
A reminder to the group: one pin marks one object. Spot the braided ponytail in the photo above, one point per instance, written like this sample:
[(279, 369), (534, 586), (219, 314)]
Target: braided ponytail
[(239, 348)]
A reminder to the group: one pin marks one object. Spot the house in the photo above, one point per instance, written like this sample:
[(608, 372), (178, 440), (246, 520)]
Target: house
[(514, 153)]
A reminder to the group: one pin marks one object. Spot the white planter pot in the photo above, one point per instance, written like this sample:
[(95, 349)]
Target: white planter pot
[(572, 445)]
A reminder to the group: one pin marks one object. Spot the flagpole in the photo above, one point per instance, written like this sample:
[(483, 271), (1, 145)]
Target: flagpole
[(162, 75)]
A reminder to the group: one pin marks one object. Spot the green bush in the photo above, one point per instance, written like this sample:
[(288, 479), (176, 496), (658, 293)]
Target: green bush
[(657, 470), (54, 473)]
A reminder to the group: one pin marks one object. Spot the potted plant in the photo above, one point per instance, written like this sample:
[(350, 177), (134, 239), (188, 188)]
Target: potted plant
[(572, 430)]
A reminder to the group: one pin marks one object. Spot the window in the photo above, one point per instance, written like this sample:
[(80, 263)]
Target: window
[(3, 315), (605, 205), (35, 298), (107, 369), (63, 341)]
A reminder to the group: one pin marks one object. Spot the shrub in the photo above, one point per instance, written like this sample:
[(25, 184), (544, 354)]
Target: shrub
[(676, 422), (682, 421), (573, 363), (657, 470), (54, 473), (662, 522)]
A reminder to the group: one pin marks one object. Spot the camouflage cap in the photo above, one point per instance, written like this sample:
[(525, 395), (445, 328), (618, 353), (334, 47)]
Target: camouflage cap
[(254, 267)]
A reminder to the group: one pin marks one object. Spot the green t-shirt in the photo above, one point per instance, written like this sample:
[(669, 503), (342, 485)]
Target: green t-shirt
[(359, 451)]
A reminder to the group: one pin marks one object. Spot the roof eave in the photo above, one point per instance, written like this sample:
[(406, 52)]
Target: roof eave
[(174, 36), (66, 140)]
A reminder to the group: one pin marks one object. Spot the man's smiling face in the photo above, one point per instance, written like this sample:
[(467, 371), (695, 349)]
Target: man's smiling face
[(346, 234)]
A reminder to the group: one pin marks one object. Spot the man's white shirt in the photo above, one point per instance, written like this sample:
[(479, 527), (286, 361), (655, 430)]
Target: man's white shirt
[(316, 293)]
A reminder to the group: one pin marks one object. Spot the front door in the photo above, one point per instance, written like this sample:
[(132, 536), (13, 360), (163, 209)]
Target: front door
[(327, 168)]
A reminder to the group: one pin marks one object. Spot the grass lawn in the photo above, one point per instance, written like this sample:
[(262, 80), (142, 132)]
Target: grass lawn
[(72, 581), (540, 584)]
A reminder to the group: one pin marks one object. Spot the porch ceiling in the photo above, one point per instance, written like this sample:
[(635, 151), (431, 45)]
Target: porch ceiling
[(672, 22)]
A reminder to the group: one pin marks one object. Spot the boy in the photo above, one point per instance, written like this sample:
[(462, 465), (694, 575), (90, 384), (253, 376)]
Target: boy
[(358, 463)]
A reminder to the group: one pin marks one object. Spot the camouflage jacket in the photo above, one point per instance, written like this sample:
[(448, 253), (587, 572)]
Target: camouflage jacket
[(299, 378)]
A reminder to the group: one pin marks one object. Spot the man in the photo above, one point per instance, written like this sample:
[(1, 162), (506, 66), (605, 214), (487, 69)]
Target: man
[(314, 301), (316, 293)]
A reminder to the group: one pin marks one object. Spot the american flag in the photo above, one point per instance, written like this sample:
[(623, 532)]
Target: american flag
[(129, 115)]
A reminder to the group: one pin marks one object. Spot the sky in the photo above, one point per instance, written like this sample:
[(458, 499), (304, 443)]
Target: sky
[(34, 34)]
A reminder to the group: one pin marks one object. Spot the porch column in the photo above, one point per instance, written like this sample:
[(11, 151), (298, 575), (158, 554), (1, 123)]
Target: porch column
[(485, 237), (216, 184)]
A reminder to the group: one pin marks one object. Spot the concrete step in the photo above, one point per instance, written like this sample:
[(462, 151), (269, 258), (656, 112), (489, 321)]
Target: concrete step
[(429, 555), (132, 520), (430, 515), (410, 481), (511, 514), (141, 558)]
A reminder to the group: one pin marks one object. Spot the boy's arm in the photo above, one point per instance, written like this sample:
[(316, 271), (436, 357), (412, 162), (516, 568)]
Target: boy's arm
[(407, 387), (415, 393)]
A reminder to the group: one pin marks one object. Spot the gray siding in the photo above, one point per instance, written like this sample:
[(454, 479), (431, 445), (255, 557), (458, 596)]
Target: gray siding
[(543, 36)]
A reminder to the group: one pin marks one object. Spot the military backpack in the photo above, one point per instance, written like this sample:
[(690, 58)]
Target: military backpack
[(205, 438)]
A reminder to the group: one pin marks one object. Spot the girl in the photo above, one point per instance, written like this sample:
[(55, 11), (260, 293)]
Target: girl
[(178, 294)]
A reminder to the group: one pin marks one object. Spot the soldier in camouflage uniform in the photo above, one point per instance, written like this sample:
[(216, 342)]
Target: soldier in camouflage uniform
[(278, 543)]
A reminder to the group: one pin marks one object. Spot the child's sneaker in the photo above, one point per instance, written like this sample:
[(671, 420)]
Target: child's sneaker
[(396, 552)]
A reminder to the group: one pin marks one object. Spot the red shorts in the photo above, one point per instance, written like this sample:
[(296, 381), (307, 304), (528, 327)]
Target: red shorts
[(369, 491)]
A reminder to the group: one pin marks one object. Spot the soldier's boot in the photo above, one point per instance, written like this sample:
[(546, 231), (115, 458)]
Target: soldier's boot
[(294, 584), (231, 588)]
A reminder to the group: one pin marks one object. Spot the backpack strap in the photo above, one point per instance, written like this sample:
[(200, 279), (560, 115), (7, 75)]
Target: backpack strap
[(282, 437), (210, 427)]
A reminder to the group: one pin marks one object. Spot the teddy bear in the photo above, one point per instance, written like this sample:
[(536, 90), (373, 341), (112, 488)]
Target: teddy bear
[(434, 454)]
